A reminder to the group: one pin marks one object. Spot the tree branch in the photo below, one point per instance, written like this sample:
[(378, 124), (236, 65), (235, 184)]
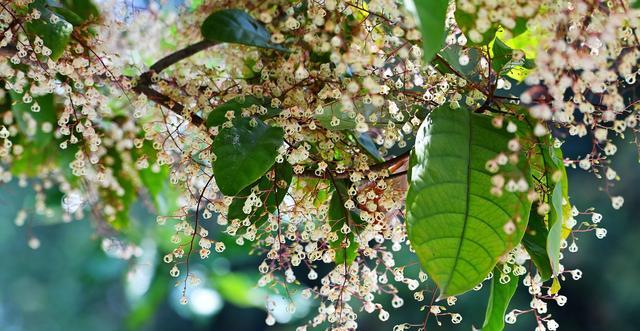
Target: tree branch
[(144, 81), (167, 102)]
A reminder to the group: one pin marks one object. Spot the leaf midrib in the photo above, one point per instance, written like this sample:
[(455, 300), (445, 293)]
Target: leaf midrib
[(466, 210)]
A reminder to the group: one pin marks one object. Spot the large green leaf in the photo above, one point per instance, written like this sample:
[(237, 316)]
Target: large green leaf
[(236, 26), (499, 299), (56, 35), (456, 226), (432, 15), (244, 153)]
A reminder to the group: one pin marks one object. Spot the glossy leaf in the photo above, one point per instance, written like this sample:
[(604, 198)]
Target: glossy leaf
[(499, 299), (456, 226), (238, 27), (236, 105), (432, 15), (244, 153), (55, 36)]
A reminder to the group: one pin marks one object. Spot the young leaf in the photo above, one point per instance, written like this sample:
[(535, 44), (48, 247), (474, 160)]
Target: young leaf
[(503, 63), (555, 176), (244, 153), (535, 242), (456, 226), (499, 299), (236, 26), (555, 228), (345, 246), (432, 16)]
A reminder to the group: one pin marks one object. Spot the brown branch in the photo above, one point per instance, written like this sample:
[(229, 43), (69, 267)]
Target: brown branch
[(144, 81), (375, 167), (166, 102), (180, 55)]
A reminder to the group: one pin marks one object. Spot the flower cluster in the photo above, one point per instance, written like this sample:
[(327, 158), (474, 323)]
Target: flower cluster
[(349, 96)]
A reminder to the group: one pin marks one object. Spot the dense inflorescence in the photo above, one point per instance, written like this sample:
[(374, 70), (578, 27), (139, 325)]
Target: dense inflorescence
[(347, 84)]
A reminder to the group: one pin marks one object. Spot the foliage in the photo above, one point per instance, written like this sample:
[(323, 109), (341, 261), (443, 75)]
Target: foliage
[(327, 137)]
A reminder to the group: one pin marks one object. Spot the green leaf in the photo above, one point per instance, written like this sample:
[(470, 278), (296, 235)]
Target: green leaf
[(466, 21), (345, 246), (236, 105), (346, 120), (271, 193), (555, 228), (164, 195), (47, 114), (451, 54), (502, 61), (366, 142), (535, 242), (68, 15), (244, 153), (499, 299), (432, 15), (236, 26), (456, 226), (85, 9), (555, 176), (55, 36)]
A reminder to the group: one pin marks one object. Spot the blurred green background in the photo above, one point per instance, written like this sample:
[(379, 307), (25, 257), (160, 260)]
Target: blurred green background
[(70, 283)]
